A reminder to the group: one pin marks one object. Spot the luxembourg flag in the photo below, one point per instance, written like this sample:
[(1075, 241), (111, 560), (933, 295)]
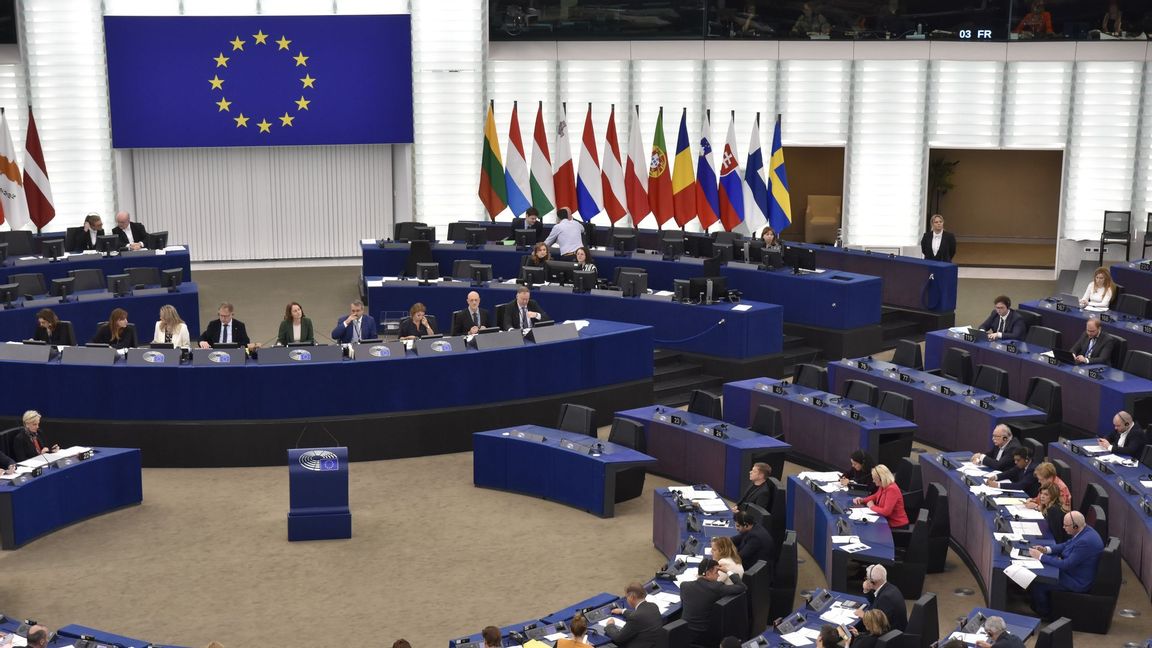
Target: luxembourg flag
[(731, 187), (636, 173), (588, 182), (516, 169), (564, 178), (612, 174), (707, 197), (756, 201)]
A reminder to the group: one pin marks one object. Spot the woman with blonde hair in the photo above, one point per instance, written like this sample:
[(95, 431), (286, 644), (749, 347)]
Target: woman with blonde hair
[(1098, 294), (887, 501), (875, 626), (724, 552), (170, 329)]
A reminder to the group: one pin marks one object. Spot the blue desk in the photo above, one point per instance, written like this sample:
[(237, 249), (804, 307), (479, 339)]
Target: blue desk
[(1126, 519), (950, 422), (822, 434), (63, 496), (972, 527), (757, 331), (110, 265), (1088, 403), (832, 300), (1071, 323), (1133, 278), (812, 618), (565, 467), (88, 309), (690, 453), (1018, 624), (670, 525), (918, 284), (103, 637)]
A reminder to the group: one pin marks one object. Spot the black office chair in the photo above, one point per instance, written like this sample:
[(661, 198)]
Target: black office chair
[(1146, 456), (629, 434), (939, 527), (31, 284), (730, 238), (956, 364), (1117, 231), (1119, 352), (577, 418), (406, 232), (768, 421), (1138, 363), (1096, 518), (810, 376), (991, 379), (896, 405), (418, 252), (729, 619), (861, 391), (1045, 395), (758, 580), (896, 639), (784, 578), (8, 439), (923, 621), (1057, 634), (670, 235), (1063, 470), (69, 334), (1092, 611), (706, 403), (20, 243), (143, 277), (88, 279), (1031, 318), (908, 477), (1135, 305), (1043, 336), (462, 268), (778, 526), (908, 354), (1037, 449), (1093, 494), (678, 633)]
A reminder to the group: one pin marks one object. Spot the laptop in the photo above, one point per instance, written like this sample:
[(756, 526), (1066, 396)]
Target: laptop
[(1065, 357)]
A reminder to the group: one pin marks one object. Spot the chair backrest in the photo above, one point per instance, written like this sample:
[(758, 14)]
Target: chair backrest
[(628, 433), (406, 231), (1045, 337), (957, 365), (577, 418), (1138, 363), (1057, 634), (1063, 470), (897, 405), (1095, 517), (939, 517), (418, 252), (923, 621), (730, 617), (7, 439), (759, 515), (1146, 456), (917, 552), (787, 571), (1044, 394), (907, 475), (727, 237), (1117, 223), (861, 391), (143, 276), (1133, 305), (462, 268), (1119, 350), (88, 279), (908, 354), (768, 421), (1035, 446), (757, 579), (811, 376), (705, 403), (1093, 494), (67, 331), (894, 639), (1108, 578), (991, 379), (31, 283), (1030, 318)]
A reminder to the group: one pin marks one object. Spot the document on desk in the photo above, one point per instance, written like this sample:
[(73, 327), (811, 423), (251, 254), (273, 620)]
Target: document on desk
[(580, 324), (855, 547), (1010, 537), (663, 600), (976, 470), (616, 621), (985, 490), (688, 576), (715, 505), (1025, 513), (802, 637), (970, 639), (1146, 483), (819, 476), (862, 514), (1020, 575), (832, 487), (1008, 501), (556, 635), (689, 560), (1028, 563), (717, 523), (1026, 528), (742, 307), (1095, 449), (848, 539), (839, 616)]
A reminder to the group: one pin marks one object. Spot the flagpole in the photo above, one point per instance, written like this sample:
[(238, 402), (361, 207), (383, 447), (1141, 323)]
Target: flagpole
[(632, 217), (684, 118)]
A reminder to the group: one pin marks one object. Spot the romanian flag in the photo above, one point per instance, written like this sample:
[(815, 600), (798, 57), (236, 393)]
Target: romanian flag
[(683, 182), (780, 202), (659, 177), (493, 190)]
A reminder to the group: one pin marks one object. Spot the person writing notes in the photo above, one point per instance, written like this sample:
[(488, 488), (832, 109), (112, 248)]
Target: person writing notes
[(887, 501), (1004, 323)]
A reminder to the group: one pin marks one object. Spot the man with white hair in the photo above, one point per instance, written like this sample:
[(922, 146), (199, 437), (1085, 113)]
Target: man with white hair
[(884, 596), (1076, 559), (998, 635)]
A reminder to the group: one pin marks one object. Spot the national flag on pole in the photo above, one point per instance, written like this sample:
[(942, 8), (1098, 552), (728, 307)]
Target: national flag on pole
[(731, 187), (683, 181), (588, 183), (543, 194), (756, 202), (564, 175), (611, 173), (516, 168), (660, 176), (780, 204), (636, 173), (493, 188), (36, 186), (707, 197), (13, 208)]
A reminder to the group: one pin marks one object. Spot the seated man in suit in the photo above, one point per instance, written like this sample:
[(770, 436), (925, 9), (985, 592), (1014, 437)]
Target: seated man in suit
[(698, 596), (884, 596), (37, 637), (1095, 346), (643, 626), (530, 221), (999, 457), (470, 320), (1021, 476), (523, 312), (1127, 438), (357, 326), (762, 492), (84, 237), (225, 330), (998, 635), (28, 442), (754, 542), (1003, 323), (131, 234), (1076, 559)]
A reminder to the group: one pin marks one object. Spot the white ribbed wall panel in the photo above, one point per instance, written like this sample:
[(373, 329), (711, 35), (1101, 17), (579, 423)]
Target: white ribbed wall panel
[(603, 84), (675, 86), (529, 83), (748, 87), (814, 102), (266, 203), (1142, 203), (965, 103), (14, 99), (1036, 104)]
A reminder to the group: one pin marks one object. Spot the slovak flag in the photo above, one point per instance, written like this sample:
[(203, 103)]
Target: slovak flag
[(731, 186)]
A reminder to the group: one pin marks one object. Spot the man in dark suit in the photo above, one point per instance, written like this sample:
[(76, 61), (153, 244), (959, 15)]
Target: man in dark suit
[(936, 244), (1095, 346), (698, 596), (28, 443), (754, 542), (1003, 323), (78, 239), (1020, 476), (884, 596), (357, 326), (1076, 559), (225, 330), (999, 457), (131, 234), (643, 627), (523, 312), (530, 221), (998, 635), (1127, 438), (470, 320), (761, 492)]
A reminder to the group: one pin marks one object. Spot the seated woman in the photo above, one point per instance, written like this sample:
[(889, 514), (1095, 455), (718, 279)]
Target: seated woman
[(170, 329), (28, 443), (1046, 474), (887, 501), (116, 333), (859, 476), (875, 626), (416, 325), (48, 328), (584, 260), (295, 327), (771, 242), (539, 256), (724, 552), (1098, 294), (1048, 503), (579, 628)]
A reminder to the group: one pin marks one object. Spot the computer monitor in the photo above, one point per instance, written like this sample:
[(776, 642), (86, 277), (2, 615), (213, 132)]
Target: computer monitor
[(481, 273), (8, 293), (425, 272), (559, 272), (698, 245), (583, 281), (672, 248), (525, 238), (424, 233), (20, 242), (750, 251), (119, 284), (633, 284), (680, 290), (108, 243), (707, 290), (532, 276), (712, 267), (156, 241), (474, 237), (799, 258), (171, 278), (722, 251), (52, 249), (623, 243), (3, 252), (62, 288)]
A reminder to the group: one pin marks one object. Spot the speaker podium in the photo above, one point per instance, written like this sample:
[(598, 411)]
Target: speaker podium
[(318, 494)]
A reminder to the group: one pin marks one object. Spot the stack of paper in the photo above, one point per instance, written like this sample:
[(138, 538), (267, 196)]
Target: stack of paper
[(839, 616), (848, 539), (862, 514), (832, 487), (663, 600), (1010, 537), (1020, 575), (1009, 501), (616, 621), (985, 490), (1095, 449), (812, 475), (1028, 563), (715, 505), (974, 470), (1025, 513), (802, 637), (970, 639), (1026, 528), (689, 560), (688, 576)]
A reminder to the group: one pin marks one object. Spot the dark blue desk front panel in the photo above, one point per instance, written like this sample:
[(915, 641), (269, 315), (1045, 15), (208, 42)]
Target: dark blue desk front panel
[(502, 459), (88, 309), (1088, 403), (757, 331), (973, 526), (1126, 518), (815, 525), (566, 615), (63, 496), (110, 265), (812, 618), (106, 637), (670, 526), (692, 455), (606, 353), (1071, 323), (826, 434), (1018, 624), (834, 299), (909, 282), (1134, 280), (955, 422)]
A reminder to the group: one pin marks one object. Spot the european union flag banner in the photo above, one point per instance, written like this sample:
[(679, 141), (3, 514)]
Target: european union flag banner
[(259, 80)]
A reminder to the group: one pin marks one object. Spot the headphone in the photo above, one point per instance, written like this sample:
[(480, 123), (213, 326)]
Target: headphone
[(1125, 418)]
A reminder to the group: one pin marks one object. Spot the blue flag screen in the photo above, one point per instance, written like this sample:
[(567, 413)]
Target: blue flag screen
[(259, 80)]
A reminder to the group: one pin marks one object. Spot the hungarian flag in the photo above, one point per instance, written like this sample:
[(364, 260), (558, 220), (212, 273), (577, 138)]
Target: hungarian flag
[(493, 189), (683, 182), (611, 173), (36, 187), (636, 173), (660, 176)]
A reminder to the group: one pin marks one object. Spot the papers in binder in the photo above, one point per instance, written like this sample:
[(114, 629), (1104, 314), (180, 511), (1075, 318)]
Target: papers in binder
[(1094, 449), (802, 637), (663, 600), (1020, 575), (845, 539), (1026, 528), (855, 547), (715, 505), (819, 476), (863, 514), (1025, 513)]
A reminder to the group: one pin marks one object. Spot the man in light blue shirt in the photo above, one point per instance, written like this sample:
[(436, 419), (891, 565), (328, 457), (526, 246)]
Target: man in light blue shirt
[(568, 233)]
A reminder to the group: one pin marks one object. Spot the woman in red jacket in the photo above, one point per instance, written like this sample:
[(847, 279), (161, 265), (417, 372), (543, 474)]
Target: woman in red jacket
[(887, 501)]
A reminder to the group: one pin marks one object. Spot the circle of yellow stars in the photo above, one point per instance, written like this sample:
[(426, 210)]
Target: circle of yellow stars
[(260, 38)]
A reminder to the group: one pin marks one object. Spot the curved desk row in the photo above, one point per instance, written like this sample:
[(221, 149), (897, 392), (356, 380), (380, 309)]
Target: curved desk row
[(247, 414), (917, 284), (87, 309), (1135, 276), (948, 414), (1070, 320), (110, 265)]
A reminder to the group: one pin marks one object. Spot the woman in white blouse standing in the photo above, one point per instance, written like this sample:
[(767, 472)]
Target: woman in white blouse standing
[(1098, 294)]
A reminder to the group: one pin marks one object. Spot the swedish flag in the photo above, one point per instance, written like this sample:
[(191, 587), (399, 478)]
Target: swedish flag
[(779, 202)]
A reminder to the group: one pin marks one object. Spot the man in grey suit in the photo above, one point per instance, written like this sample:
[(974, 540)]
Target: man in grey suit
[(643, 627)]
